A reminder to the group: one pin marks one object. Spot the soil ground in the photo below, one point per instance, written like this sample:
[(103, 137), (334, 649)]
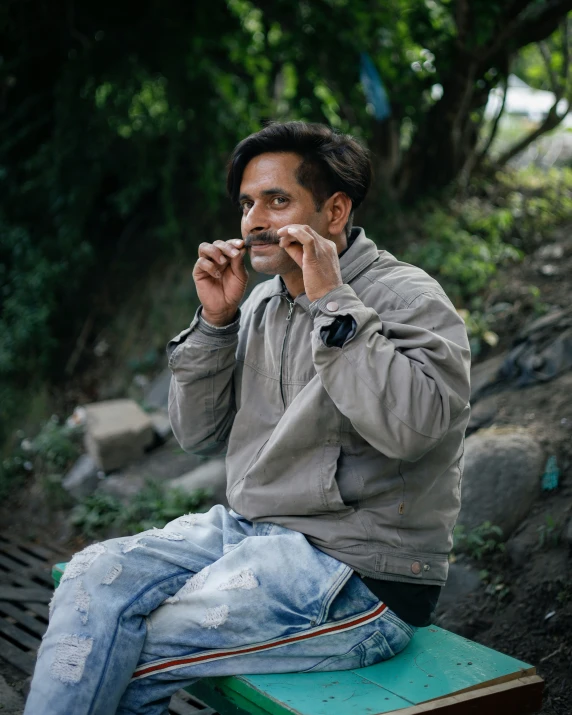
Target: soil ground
[(529, 615), (524, 607)]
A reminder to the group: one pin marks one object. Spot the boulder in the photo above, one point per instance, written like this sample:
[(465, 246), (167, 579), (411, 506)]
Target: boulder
[(83, 478), (210, 476), (157, 394), (161, 465), (161, 424), (117, 432), (123, 487), (485, 374), (483, 413), (501, 478)]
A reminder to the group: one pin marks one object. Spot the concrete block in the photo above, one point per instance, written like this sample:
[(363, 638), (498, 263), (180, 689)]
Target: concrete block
[(117, 432), (83, 478)]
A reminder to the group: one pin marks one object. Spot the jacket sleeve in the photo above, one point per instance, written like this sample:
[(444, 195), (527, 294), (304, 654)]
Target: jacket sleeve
[(201, 395), (402, 378)]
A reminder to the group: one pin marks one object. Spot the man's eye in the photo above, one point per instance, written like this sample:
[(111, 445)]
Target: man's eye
[(279, 200), (244, 207)]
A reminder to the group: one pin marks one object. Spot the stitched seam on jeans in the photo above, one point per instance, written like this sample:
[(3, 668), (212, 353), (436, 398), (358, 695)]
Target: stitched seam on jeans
[(333, 591), (168, 664), (96, 694)]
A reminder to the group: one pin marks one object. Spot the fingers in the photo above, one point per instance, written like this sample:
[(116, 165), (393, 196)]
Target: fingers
[(217, 256), (295, 233), (221, 251), (205, 265)]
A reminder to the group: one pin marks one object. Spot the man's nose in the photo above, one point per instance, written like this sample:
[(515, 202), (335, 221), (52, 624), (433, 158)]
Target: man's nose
[(255, 220)]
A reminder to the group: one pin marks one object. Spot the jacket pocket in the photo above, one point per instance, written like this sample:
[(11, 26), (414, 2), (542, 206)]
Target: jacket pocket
[(294, 482)]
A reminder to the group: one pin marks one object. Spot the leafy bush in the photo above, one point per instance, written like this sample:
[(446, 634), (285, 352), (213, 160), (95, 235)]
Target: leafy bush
[(549, 533), (47, 456), (152, 507), (56, 447), (478, 542), (463, 245)]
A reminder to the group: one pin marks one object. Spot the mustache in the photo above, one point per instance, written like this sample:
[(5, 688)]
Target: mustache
[(264, 237)]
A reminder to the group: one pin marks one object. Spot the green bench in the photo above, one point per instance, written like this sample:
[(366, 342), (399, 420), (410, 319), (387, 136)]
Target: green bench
[(439, 672)]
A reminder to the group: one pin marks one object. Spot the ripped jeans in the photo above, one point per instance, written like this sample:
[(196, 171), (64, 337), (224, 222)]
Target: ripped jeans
[(137, 618)]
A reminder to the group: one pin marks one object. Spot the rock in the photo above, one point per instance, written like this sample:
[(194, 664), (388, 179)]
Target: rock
[(483, 413), (501, 478), (485, 374), (210, 476), (161, 465), (83, 478), (117, 432), (551, 251), (157, 394), (461, 581), (161, 425), (122, 487), (549, 269)]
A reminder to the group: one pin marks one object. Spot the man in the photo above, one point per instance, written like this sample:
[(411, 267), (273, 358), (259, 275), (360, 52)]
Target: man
[(339, 392)]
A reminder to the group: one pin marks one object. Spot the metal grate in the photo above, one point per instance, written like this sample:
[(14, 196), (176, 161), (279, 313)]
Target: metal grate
[(26, 589)]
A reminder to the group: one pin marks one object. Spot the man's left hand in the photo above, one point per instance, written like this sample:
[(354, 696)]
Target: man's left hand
[(316, 256)]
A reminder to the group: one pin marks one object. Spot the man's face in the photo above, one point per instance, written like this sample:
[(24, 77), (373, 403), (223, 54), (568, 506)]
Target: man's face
[(271, 198)]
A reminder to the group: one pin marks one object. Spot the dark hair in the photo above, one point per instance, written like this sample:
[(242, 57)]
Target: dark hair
[(330, 161)]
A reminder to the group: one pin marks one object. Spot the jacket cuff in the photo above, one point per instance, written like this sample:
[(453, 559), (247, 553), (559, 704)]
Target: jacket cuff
[(339, 302), (202, 332), (208, 329)]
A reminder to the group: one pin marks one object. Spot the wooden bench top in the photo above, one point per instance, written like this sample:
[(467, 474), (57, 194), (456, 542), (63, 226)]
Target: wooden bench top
[(437, 672)]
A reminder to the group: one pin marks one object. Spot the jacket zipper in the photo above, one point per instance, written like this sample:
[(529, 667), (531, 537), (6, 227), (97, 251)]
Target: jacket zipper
[(288, 323)]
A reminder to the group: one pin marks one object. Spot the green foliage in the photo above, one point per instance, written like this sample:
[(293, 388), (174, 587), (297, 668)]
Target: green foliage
[(114, 139), (538, 200), (549, 533), (564, 596), (496, 586), (541, 71), (151, 507), (481, 541), (47, 457), (55, 448), (463, 245), (13, 471)]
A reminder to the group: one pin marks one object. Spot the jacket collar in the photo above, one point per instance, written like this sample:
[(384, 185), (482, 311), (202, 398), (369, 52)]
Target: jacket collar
[(359, 256)]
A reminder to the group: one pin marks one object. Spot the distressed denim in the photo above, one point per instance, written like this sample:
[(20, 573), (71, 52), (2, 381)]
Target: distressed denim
[(137, 618)]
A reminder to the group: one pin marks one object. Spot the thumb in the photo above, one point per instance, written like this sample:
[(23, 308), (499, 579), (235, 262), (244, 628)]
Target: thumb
[(237, 265)]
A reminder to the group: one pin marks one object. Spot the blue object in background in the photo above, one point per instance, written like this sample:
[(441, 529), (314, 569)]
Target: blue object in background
[(373, 88), (551, 475)]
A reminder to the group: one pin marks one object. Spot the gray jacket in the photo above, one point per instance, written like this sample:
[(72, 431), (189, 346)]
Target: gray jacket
[(360, 448)]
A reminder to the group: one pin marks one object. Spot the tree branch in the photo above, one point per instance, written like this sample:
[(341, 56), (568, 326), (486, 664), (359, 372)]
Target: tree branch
[(461, 21), (542, 25), (560, 87), (551, 122), (555, 84), (533, 23), (494, 128)]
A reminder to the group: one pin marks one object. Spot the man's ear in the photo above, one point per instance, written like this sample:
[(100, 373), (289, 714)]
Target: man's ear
[(338, 207)]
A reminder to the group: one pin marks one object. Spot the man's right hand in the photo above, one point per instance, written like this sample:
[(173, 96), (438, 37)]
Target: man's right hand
[(220, 277)]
